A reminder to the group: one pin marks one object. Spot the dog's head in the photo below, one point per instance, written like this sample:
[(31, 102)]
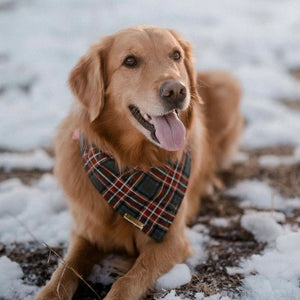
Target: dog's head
[(145, 77)]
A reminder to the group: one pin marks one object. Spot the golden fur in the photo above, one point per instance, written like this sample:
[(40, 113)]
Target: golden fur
[(104, 88)]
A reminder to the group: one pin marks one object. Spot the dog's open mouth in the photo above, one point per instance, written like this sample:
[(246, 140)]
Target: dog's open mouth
[(167, 130)]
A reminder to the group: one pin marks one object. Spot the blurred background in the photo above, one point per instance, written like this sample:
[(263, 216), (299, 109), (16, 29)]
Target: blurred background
[(258, 212), (40, 41)]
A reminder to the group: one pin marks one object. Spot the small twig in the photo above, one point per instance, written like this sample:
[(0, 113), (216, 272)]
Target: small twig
[(59, 282), (57, 255), (49, 257)]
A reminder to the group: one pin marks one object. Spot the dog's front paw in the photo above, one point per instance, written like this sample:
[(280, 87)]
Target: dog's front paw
[(50, 293), (46, 294), (124, 289)]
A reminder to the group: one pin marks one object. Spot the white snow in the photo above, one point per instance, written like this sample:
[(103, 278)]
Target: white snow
[(262, 226), (273, 161), (179, 275), (277, 271), (41, 208), (37, 159), (170, 296), (288, 242), (11, 283), (48, 37), (200, 296), (198, 236), (219, 222), (266, 128), (254, 193)]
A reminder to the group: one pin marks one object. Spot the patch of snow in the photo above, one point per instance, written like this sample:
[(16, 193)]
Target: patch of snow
[(199, 296), (273, 161), (38, 159), (260, 287), (12, 286), (170, 296), (263, 227), (41, 208), (179, 275), (219, 222), (277, 271), (218, 296), (288, 242), (275, 215), (198, 236), (268, 130), (254, 193)]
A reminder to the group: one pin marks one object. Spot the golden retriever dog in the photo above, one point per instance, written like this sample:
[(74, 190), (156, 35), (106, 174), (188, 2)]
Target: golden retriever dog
[(140, 101)]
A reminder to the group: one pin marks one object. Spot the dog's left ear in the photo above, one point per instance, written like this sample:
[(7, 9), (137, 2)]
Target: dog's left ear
[(188, 62)]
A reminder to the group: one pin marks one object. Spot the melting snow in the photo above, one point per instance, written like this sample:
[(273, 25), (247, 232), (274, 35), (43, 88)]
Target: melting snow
[(277, 271), (37, 159), (41, 207), (179, 275), (254, 193), (12, 286)]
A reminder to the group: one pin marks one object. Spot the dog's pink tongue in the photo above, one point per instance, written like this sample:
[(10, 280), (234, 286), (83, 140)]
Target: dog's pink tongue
[(170, 131)]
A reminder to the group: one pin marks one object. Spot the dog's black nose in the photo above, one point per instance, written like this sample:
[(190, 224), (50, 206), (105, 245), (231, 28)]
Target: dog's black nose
[(173, 93)]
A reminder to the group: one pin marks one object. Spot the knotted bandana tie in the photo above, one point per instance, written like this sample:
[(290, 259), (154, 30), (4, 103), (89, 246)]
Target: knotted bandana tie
[(149, 200)]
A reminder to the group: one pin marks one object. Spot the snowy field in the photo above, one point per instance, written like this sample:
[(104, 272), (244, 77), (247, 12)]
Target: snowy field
[(258, 41)]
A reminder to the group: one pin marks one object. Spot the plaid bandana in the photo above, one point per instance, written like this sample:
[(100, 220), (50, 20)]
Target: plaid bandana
[(149, 200)]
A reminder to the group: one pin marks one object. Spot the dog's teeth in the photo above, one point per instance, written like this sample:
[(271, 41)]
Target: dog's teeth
[(146, 117)]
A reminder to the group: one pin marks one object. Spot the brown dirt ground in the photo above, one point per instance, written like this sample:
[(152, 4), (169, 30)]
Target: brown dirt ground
[(292, 104), (226, 247), (26, 176), (295, 72)]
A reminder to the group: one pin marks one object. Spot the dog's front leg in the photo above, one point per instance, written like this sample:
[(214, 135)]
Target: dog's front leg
[(81, 256), (154, 260)]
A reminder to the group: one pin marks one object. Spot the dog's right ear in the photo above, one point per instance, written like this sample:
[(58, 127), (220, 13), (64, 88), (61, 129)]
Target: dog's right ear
[(87, 79)]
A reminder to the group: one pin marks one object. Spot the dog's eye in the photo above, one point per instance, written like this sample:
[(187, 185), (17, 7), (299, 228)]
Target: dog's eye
[(130, 62), (176, 55)]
